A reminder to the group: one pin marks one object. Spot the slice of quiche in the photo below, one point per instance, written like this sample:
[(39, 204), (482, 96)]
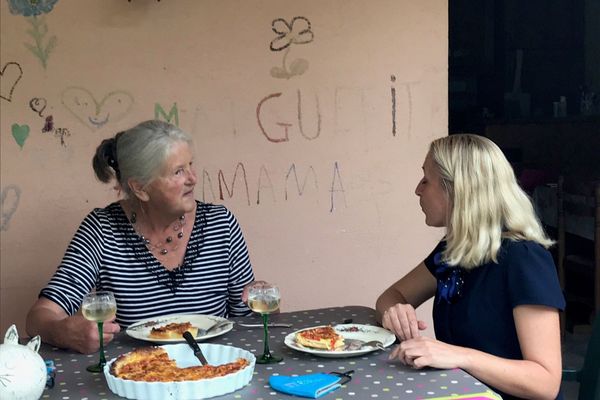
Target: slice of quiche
[(323, 337), (173, 331), (152, 364)]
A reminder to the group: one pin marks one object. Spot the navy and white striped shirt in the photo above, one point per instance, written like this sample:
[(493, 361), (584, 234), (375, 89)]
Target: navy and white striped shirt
[(107, 254)]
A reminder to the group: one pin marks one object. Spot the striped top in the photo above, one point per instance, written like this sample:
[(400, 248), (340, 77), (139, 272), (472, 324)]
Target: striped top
[(107, 254)]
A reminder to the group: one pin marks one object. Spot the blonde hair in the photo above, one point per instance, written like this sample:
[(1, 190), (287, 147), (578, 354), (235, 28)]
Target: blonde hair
[(486, 201)]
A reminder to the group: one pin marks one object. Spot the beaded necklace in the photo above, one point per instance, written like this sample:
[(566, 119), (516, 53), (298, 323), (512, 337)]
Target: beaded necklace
[(177, 226), (172, 278)]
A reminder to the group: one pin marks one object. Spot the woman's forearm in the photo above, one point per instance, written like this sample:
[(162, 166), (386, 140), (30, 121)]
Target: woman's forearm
[(74, 332), (521, 378), (386, 300), (47, 323)]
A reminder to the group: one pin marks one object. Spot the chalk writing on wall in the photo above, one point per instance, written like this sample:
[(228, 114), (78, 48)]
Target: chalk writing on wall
[(393, 79), (291, 185), (298, 31), (172, 117), (93, 113), (284, 136), (33, 11), (10, 75), (48, 124), (300, 189), (264, 183), (61, 133), (223, 183), (336, 187), (38, 105), (407, 101), (10, 197)]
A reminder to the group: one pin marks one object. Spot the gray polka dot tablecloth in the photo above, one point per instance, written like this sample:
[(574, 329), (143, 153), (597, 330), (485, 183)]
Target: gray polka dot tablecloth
[(374, 377)]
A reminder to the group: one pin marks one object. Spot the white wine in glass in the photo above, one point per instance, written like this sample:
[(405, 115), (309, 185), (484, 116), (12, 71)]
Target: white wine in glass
[(264, 298), (99, 307), (264, 305)]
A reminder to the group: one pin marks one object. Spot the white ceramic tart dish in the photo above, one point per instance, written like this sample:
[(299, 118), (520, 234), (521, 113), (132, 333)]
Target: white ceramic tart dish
[(183, 355)]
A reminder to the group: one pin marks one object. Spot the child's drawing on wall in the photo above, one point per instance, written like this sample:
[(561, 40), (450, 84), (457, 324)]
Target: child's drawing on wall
[(298, 31), (33, 11)]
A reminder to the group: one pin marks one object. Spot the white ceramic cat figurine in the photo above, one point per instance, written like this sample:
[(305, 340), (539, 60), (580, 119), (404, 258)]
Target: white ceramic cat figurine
[(22, 369)]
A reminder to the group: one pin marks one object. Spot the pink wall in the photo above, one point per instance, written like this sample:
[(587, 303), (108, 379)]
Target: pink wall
[(355, 228)]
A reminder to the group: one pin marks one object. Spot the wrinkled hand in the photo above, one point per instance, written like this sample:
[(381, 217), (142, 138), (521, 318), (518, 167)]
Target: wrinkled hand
[(427, 352), (402, 320), (83, 334)]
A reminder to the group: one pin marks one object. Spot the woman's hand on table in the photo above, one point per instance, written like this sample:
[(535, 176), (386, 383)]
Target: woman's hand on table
[(51, 322), (424, 351), (402, 320), (83, 334)]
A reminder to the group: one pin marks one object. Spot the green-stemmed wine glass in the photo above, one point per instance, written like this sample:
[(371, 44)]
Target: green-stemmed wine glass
[(99, 307), (264, 298)]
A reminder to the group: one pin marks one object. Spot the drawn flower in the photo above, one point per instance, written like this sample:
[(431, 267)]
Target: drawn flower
[(29, 8), (32, 9), (298, 32), (450, 280)]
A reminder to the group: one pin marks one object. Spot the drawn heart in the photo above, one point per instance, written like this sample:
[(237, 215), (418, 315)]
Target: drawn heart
[(10, 197), (9, 77), (20, 133), (93, 113)]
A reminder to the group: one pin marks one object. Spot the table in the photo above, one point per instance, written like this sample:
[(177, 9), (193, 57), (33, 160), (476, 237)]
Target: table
[(374, 378)]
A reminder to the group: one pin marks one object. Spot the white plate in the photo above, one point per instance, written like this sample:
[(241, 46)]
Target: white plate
[(197, 320), (216, 354), (348, 331)]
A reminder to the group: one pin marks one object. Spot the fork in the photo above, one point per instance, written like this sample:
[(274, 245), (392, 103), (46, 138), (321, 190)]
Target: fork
[(213, 327), (355, 344), (375, 343)]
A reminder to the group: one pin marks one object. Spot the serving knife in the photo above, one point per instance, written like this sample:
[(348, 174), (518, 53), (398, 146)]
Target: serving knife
[(197, 351)]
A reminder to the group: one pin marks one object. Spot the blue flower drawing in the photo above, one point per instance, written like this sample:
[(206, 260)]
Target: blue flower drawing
[(29, 8), (33, 10), (298, 31)]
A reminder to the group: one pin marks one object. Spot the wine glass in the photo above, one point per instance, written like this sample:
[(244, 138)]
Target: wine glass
[(264, 298), (99, 307)]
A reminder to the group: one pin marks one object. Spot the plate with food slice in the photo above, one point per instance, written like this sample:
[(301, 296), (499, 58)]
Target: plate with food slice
[(344, 340), (170, 328)]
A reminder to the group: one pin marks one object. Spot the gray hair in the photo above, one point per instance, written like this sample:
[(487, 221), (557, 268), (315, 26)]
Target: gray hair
[(138, 153)]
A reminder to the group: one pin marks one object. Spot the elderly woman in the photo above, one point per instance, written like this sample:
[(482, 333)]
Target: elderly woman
[(497, 296), (159, 250)]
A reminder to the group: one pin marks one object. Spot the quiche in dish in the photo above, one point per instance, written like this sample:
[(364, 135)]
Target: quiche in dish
[(152, 364), (183, 355)]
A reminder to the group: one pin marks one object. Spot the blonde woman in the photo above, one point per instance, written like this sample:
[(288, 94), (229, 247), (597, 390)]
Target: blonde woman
[(497, 296)]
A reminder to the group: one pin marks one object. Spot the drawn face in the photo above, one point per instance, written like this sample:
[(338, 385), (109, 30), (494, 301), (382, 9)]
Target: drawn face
[(433, 198), (93, 113), (173, 191)]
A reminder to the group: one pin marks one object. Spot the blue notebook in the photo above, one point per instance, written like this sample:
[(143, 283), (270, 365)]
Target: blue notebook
[(312, 385)]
